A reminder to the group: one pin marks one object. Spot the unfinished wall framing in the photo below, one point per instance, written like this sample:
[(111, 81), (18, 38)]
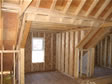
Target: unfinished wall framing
[(65, 49), (50, 57)]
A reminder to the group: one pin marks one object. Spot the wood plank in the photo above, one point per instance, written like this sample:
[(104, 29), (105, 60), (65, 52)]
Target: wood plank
[(102, 8), (63, 53), (53, 5), (52, 51), (71, 54), (67, 6), (1, 27), (76, 63), (81, 59), (110, 51), (80, 7), (108, 13), (67, 53), (25, 34), (21, 33), (91, 7), (101, 53), (22, 73), (92, 62), (24, 6), (105, 52), (57, 44), (111, 48)]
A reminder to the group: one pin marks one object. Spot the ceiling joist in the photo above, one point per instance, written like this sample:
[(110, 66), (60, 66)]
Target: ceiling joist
[(80, 7), (102, 8), (91, 7)]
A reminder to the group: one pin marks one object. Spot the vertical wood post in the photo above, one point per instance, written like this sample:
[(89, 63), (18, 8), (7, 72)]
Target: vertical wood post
[(81, 59), (1, 67), (92, 59), (76, 69), (22, 77)]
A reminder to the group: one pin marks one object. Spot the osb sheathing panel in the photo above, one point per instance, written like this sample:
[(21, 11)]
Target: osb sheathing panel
[(10, 27), (50, 58), (65, 50), (10, 31)]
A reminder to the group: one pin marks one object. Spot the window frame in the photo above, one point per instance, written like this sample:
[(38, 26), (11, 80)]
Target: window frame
[(43, 48)]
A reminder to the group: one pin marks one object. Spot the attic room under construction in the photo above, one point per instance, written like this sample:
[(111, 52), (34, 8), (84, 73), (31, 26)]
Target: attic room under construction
[(55, 41)]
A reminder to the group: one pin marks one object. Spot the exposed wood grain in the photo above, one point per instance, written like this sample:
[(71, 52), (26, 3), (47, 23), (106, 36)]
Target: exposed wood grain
[(91, 7), (67, 53), (79, 7), (102, 8), (25, 35)]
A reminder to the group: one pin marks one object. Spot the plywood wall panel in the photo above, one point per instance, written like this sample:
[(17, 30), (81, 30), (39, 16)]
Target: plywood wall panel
[(50, 57)]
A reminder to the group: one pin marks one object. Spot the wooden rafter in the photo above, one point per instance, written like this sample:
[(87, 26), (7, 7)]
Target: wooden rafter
[(53, 4), (95, 35), (80, 7), (38, 3), (24, 6), (67, 6), (21, 32), (108, 13), (91, 7), (26, 32), (102, 8)]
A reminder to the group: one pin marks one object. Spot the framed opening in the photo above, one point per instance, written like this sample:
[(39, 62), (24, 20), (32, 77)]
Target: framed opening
[(38, 51)]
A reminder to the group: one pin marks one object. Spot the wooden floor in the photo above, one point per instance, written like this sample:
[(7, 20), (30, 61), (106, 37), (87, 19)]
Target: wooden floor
[(49, 78)]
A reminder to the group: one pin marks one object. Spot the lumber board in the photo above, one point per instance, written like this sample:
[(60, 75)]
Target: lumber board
[(25, 34), (67, 53), (71, 55)]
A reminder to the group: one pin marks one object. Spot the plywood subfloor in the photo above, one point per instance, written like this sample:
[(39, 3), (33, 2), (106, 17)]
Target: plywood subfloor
[(49, 78), (101, 71)]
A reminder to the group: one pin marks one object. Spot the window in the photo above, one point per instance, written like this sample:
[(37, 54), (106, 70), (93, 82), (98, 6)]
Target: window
[(37, 50)]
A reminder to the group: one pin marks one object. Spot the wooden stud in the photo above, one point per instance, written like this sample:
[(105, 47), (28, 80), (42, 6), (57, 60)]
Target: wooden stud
[(63, 53), (101, 53), (76, 63), (110, 51), (14, 68), (71, 55), (1, 67), (22, 74), (92, 61), (105, 52), (102, 8), (81, 59), (67, 53), (88, 64)]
